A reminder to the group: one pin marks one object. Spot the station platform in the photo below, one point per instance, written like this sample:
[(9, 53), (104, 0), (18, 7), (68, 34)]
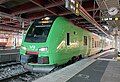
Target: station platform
[(8, 55), (102, 67), (9, 51)]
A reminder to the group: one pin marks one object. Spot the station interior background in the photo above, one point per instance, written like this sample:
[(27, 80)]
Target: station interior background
[(13, 11), (70, 63), (10, 40)]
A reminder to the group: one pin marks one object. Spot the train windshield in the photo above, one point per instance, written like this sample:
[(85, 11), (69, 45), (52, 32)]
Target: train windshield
[(39, 30)]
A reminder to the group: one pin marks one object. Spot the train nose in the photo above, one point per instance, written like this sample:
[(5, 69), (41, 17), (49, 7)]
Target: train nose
[(44, 69), (31, 53), (33, 57)]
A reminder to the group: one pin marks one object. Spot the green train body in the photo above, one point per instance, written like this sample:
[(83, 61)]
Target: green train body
[(63, 41)]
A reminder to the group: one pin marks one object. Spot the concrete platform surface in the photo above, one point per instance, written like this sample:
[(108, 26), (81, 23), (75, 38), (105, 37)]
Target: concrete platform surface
[(112, 72), (99, 71), (87, 70), (92, 73), (66, 73)]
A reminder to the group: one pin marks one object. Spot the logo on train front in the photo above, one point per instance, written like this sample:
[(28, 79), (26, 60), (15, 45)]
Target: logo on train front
[(32, 47)]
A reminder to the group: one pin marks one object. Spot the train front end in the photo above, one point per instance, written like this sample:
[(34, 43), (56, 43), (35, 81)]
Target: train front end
[(34, 52)]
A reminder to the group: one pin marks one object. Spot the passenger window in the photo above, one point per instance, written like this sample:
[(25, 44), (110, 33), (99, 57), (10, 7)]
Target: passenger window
[(98, 44), (85, 40), (95, 44), (68, 38), (74, 32), (92, 42)]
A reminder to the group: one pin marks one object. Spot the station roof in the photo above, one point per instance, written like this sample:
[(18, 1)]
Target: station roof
[(13, 12)]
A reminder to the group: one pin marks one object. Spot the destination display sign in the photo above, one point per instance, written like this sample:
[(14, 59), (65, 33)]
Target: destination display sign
[(43, 26), (46, 21)]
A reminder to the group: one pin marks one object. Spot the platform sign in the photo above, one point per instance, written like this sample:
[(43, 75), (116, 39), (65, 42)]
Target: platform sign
[(73, 6)]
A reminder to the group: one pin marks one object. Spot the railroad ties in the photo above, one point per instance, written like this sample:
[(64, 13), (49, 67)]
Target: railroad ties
[(8, 70)]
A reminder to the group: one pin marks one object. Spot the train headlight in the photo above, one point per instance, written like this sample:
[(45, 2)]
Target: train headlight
[(43, 49), (24, 48)]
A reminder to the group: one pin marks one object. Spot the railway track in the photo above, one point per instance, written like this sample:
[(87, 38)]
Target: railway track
[(11, 69), (15, 72), (29, 76), (25, 77)]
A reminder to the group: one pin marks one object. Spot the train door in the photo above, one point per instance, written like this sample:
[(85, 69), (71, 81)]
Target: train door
[(89, 45), (85, 45)]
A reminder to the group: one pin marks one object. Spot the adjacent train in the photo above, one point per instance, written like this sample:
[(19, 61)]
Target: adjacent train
[(3, 42), (52, 41)]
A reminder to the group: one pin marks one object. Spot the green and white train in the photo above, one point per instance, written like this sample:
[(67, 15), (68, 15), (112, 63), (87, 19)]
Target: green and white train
[(53, 41)]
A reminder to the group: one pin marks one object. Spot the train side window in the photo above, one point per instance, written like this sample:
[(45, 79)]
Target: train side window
[(98, 44), (92, 42), (95, 44), (85, 40), (74, 32), (68, 38)]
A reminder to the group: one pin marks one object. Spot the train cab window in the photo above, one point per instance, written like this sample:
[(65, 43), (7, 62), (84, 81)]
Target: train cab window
[(68, 38), (85, 40), (39, 30)]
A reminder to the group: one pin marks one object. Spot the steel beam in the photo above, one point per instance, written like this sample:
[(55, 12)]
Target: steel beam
[(79, 18), (21, 9), (35, 2), (87, 9), (86, 15), (5, 10), (3, 26), (10, 28), (2, 14), (3, 1)]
